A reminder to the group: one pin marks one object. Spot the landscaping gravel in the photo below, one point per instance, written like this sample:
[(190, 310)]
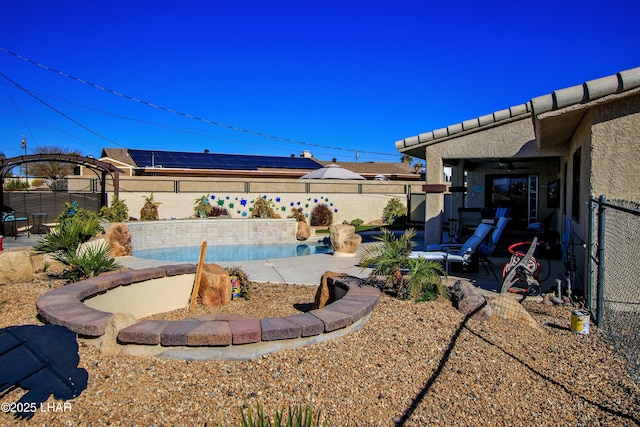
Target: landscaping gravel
[(411, 364)]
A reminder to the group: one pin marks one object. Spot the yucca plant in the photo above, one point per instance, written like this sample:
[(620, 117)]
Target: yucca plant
[(86, 262), (296, 417), (68, 235)]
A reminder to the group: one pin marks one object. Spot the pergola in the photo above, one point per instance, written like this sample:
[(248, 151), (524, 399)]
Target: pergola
[(89, 162)]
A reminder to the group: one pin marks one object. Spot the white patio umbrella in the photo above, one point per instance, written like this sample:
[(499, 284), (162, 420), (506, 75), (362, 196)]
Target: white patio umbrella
[(332, 171)]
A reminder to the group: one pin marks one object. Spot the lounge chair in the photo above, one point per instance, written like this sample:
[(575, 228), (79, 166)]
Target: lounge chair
[(486, 250), (455, 253)]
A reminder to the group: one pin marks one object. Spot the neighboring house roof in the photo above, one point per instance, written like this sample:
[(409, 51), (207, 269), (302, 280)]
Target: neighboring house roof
[(592, 90), (118, 154), (399, 170)]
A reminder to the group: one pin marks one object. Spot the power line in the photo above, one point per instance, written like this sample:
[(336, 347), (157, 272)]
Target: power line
[(186, 115), (43, 102)]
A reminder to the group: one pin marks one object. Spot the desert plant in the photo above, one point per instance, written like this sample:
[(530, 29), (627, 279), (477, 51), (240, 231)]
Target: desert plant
[(295, 417), (218, 210), (84, 263), (117, 211), (68, 235), (389, 257), (149, 211), (393, 211), (297, 214), (425, 279), (356, 222), (263, 208), (73, 211), (244, 280), (321, 215), (15, 184), (202, 207)]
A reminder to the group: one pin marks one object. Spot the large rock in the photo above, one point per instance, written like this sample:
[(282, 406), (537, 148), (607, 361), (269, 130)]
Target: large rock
[(304, 231), (325, 295), (15, 267), (344, 240), (469, 301), (509, 308), (109, 341), (118, 237), (215, 286)]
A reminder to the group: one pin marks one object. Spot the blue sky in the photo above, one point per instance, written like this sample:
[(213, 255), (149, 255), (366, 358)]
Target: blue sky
[(333, 77)]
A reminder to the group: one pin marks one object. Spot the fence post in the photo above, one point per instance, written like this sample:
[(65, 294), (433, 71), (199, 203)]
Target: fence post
[(601, 224), (591, 255)]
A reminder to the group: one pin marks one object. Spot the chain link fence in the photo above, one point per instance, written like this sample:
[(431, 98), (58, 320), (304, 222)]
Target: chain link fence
[(618, 279)]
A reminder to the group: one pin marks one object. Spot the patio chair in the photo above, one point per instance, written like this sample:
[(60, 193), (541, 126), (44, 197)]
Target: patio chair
[(486, 250), (463, 254), (10, 218)]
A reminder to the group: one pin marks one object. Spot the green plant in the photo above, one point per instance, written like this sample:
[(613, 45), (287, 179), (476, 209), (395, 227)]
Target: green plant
[(73, 211), (202, 207), (15, 184), (297, 214), (425, 280), (68, 235), (356, 222), (393, 211), (117, 211), (321, 215), (295, 417), (85, 262), (149, 211), (389, 257), (263, 208), (244, 280)]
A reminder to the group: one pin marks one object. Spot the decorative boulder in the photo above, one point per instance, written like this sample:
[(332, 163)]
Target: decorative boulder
[(304, 231), (469, 301), (119, 239), (509, 308), (109, 345), (325, 295), (215, 286), (344, 240), (15, 267)]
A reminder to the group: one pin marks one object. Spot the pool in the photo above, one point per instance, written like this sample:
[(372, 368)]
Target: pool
[(219, 253)]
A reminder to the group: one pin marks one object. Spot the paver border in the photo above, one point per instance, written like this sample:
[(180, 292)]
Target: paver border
[(219, 336)]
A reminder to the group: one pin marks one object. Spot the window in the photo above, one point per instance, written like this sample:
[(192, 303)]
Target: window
[(519, 193)]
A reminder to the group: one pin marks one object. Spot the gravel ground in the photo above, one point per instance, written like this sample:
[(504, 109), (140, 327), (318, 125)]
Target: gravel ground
[(411, 364)]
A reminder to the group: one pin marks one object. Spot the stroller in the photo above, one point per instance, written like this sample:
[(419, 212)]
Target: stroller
[(521, 275)]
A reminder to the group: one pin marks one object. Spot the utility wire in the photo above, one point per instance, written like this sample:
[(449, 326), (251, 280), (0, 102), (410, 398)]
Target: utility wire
[(43, 102), (186, 115)]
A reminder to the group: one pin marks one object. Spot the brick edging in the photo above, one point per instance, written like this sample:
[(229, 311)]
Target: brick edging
[(64, 306)]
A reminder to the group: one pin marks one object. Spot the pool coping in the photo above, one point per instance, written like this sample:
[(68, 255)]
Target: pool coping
[(209, 336)]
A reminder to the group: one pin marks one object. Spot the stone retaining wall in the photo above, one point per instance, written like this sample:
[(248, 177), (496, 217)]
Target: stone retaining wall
[(64, 306)]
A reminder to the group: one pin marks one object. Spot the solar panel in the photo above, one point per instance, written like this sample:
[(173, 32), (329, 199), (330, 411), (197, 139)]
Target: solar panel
[(187, 160)]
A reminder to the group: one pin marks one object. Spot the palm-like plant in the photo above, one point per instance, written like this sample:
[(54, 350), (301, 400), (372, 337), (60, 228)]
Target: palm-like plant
[(425, 279), (89, 262), (389, 257)]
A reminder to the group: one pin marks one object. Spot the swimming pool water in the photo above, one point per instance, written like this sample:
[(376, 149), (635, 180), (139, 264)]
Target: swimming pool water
[(233, 252)]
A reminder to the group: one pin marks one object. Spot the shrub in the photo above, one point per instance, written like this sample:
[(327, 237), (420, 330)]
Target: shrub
[(297, 214), (68, 235), (15, 184), (73, 211), (89, 262), (218, 210), (117, 211), (295, 417), (393, 211), (263, 208), (202, 207), (149, 211), (321, 215), (356, 222), (425, 280)]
